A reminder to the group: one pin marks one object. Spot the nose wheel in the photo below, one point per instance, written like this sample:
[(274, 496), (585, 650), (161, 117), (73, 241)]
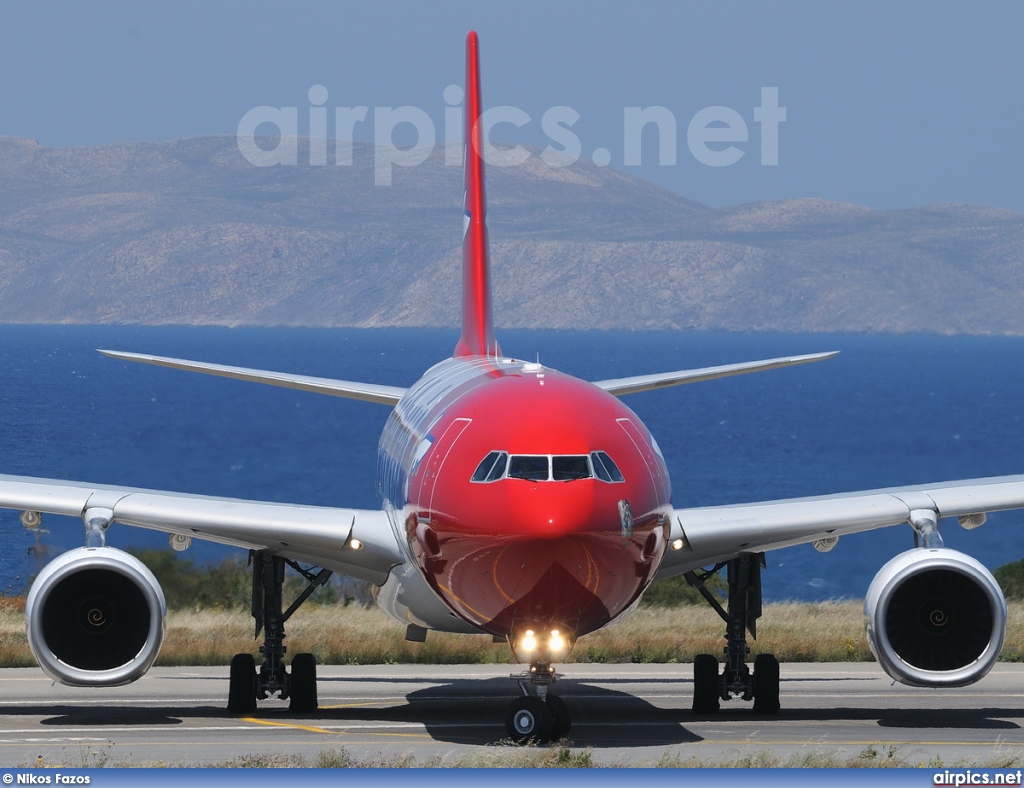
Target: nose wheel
[(538, 717), (563, 717), (529, 719)]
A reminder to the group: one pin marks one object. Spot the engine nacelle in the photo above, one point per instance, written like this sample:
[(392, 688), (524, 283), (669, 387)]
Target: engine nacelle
[(935, 618), (95, 617)]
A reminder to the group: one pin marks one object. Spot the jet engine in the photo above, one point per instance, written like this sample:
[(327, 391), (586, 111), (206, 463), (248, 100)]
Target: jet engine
[(95, 617), (935, 618)]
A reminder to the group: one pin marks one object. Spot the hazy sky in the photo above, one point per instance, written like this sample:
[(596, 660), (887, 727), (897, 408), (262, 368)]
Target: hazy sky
[(887, 104)]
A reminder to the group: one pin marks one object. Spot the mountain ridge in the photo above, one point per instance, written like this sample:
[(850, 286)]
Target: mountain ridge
[(187, 232)]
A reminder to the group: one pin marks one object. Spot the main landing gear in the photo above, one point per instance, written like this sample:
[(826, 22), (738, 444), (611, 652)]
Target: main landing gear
[(246, 686), (538, 716), (761, 686)]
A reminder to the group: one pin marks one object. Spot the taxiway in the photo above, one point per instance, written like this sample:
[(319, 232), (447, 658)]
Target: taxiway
[(634, 715)]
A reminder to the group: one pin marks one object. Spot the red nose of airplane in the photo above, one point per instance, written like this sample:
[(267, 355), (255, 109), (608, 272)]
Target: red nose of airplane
[(551, 510), (542, 519)]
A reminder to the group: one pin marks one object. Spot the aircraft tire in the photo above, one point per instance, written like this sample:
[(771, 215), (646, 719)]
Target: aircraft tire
[(242, 684), (303, 697), (766, 684), (563, 717), (529, 720), (705, 684)]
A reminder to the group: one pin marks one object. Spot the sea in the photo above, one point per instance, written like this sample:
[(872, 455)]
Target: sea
[(888, 410)]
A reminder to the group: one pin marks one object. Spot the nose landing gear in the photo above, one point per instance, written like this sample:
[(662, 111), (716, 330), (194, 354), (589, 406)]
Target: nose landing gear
[(538, 716)]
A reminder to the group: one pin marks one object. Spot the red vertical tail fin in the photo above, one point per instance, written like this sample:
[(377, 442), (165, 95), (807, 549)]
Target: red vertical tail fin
[(477, 319)]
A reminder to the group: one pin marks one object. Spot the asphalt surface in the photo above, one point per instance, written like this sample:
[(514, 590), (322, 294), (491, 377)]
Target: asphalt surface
[(634, 715)]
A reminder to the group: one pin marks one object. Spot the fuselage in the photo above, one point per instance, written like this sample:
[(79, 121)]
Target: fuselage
[(528, 500)]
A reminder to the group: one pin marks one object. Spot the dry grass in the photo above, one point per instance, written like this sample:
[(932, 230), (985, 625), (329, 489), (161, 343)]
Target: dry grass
[(336, 635), (795, 632), (350, 635), (877, 755)]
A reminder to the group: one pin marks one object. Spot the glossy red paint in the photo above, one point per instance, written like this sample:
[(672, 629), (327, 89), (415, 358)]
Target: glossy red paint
[(515, 554), (512, 555), (477, 324)]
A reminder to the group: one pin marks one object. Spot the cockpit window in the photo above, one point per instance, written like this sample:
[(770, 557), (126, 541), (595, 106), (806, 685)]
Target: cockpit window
[(530, 467), (547, 467), (599, 470), (567, 469), (491, 468), (498, 469), (604, 468)]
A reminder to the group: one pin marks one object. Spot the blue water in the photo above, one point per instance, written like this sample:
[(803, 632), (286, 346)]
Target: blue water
[(886, 411)]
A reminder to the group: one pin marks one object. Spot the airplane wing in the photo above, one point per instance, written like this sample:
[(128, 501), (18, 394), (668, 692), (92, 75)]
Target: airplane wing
[(369, 392), (355, 542), (717, 533), (620, 386)]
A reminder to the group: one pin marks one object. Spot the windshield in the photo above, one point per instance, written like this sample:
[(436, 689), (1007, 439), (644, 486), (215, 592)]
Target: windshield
[(547, 467)]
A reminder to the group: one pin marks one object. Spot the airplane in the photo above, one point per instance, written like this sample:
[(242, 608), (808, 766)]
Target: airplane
[(517, 502)]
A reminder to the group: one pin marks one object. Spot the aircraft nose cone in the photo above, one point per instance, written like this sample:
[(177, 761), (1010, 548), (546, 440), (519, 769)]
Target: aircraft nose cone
[(554, 509)]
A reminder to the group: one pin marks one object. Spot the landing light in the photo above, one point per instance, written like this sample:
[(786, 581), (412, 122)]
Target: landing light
[(678, 544), (529, 642), (355, 544), (556, 643), (968, 521)]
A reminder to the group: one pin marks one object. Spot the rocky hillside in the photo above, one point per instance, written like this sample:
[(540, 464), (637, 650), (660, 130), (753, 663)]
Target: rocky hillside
[(188, 232)]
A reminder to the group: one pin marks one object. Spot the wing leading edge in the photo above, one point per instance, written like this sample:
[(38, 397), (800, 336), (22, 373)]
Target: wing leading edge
[(631, 385), (718, 533), (368, 392), (356, 542)]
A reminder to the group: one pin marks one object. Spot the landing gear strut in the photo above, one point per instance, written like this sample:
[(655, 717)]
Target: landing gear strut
[(538, 716), (761, 686), (246, 686)]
